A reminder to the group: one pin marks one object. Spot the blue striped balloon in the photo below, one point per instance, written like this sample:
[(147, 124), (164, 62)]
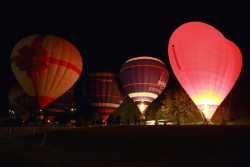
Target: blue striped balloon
[(143, 79)]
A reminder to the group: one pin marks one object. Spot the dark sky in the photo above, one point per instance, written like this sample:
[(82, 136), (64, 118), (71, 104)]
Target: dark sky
[(109, 33)]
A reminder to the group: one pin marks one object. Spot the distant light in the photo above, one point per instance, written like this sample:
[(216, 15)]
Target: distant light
[(73, 109), (12, 111)]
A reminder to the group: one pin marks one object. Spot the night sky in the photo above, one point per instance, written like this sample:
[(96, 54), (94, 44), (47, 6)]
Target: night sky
[(109, 33)]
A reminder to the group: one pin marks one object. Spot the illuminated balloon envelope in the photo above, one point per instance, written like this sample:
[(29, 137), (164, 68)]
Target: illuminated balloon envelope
[(104, 93), (236, 66), (45, 66), (143, 79), (22, 104), (204, 64)]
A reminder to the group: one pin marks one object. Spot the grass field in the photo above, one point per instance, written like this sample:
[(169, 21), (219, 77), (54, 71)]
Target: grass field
[(125, 146)]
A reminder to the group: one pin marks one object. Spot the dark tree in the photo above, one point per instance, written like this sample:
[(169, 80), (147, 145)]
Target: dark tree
[(178, 107), (127, 111)]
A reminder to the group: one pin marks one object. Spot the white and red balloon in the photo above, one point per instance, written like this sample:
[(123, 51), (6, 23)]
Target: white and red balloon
[(45, 66)]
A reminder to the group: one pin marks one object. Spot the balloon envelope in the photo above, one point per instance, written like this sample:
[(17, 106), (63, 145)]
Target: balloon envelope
[(204, 64), (104, 93), (236, 65), (46, 66), (143, 79)]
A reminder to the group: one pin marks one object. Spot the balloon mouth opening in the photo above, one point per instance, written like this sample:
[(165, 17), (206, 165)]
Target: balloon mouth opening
[(142, 105), (207, 110)]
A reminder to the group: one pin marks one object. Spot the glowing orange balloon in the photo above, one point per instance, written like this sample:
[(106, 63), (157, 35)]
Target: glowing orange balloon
[(45, 66), (205, 63)]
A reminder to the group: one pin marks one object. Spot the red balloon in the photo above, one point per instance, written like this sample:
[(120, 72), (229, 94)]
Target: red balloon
[(205, 63), (236, 65)]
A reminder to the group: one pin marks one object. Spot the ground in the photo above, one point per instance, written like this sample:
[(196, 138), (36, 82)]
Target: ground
[(126, 146)]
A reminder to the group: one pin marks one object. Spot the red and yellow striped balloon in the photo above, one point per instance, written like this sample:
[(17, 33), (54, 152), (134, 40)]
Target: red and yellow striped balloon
[(104, 93), (46, 66)]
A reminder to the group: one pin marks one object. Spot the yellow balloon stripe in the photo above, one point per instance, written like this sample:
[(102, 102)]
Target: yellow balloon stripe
[(138, 94)]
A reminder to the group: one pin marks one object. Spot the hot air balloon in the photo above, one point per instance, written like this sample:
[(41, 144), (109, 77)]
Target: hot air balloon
[(61, 105), (45, 66), (104, 93), (205, 63), (143, 79), (22, 104)]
